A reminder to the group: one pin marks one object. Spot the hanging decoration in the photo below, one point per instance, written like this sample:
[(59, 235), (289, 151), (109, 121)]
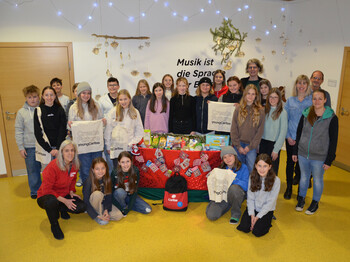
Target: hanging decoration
[(228, 39)]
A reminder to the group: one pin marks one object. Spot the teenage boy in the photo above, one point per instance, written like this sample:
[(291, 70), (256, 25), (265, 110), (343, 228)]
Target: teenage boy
[(56, 83)]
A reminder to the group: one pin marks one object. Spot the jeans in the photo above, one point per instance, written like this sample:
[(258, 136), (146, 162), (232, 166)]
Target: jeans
[(308, 166), (123, 199), (249, 158), (85, 163), (33, 171)]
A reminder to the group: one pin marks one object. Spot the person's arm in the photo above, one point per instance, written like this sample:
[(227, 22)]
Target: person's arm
[(167, 117), (193, 114), (333, 140), (62, 131), (19, 132), (49, 178), (86, 194), (271, 199), (38, 132), (283, 118), (250, 201), (328, 102), (286, 107), (242, 178), (138, 130), (109, 128)]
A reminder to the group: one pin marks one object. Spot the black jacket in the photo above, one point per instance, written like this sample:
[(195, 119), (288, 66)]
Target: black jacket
[(182, 114), (202, 113)]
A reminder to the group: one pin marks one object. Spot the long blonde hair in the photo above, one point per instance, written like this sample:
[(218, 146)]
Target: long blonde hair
[(92, 107), (119, 112), (302, 78), (181, 79), (256, 106), (142, 81)]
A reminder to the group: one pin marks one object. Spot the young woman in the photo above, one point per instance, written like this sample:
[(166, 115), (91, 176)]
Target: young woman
[(234, 92), (141, 97), (182, 115), (157, 110), (263, 190), (248, 126), (275, 127), (97, 193), (57, 192), (25, 139), (265, 87), (54, 122), (315, 148), (205, 93), (85, 109), (219, 86), (125, 181), (294, 107), (237, 192), (168, 82), (253, 68), (124, 127)]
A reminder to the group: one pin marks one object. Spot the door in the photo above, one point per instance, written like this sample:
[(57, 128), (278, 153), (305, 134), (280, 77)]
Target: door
[(343, 113), (23, 64)]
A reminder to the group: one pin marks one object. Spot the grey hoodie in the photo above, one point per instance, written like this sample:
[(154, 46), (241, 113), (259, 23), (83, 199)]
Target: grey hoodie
[(24, 127)]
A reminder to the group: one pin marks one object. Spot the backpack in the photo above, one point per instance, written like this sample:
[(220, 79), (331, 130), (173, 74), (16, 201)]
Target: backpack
[(175, 194)]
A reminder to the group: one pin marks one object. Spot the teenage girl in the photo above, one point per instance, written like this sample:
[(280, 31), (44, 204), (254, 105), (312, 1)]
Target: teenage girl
[(85, 109), (248, 126), (182, 115), (53, 119), (205, 93), (275, 128), (157, 110), (315, 148), (295, 106), (234, 92), (263, 190), (141, 97), (125, 179), (97, 193), (253, 68), (168, 82), (237, 192), (123, 122), (265, 87), (219, 85)]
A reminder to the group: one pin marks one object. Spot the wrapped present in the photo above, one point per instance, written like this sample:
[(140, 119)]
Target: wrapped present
[(170, 141), (183, 155), (206, 166), (189, 172), (185, 164), (162, 142), (197, 162), (140, 159), (155, 141), (177, 161), (204, 157), (196, 171), (144, 168), (158, 153), (147, 137), (157, 162), (152, 166), (163, 168)]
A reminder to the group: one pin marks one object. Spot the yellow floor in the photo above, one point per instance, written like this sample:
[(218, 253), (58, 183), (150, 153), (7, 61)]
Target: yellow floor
[(166, 236)]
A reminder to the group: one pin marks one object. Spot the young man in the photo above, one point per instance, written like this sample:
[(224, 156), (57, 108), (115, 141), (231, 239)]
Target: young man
[(56, 83), (316, 79)]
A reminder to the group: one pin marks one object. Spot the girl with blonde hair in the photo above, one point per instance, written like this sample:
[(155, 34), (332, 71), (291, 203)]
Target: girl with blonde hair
[(141, 98)]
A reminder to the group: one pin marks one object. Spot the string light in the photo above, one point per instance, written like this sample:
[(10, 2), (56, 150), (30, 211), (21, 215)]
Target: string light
[(59, 13), (166, 4), (202, 10), (274, 26), (174, 13), (90, 17), (253, 27), (143, 14), (95, 4), (110, 4), (80, 26), (209, 1), (267, 32), (246, 6), (283, 9), (217, 12), (131, 18), (239, 9), (250, 17), (185, 18)]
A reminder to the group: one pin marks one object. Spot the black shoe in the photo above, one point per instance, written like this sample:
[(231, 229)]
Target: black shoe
[(288, 194), (312, 208), (65, 215), (301, 203), (296, 180), (57, 232), (33, 196)]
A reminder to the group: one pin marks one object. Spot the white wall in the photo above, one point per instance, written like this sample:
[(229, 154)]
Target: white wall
[(323, 22)]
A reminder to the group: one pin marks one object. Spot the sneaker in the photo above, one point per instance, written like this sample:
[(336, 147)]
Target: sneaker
[(100, 221), (33, 196), (57, 232), (79, 182), (301, 202), (65, 215), (312, 208), (234, 221)]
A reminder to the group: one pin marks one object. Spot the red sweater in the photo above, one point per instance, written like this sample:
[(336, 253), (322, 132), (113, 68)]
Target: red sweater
[(57, 182), (222, 91)]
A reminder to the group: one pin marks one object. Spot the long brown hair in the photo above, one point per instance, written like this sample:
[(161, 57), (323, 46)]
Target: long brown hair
[(172, 85), (219, 71), (142, 81), (236, 165), (256, 106), (255, 178), (119, 112), (92, 107), (131, 173), (279, 107), (312, 117), (238, 81), (95, 184), (153, 99), (56, 101), (181, 79)]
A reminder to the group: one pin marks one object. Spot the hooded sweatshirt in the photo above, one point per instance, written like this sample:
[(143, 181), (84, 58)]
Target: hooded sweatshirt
[(24, 127)]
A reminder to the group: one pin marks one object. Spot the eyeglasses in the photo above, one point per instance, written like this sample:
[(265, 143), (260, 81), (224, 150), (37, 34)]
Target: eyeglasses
[(317, 78), (113, 85)]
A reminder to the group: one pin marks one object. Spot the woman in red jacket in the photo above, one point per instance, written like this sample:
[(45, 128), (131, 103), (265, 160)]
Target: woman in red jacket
[(57, 192)]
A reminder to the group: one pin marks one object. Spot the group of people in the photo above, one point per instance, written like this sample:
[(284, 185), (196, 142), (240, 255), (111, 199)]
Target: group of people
[(261, 123)]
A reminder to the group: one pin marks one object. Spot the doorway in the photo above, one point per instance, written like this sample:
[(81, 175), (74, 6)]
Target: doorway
[(21, 65)]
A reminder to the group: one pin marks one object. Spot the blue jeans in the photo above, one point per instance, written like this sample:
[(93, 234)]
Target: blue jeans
[(249, 158), (85, 163), (123, 199), (33, 170), (307, 167)]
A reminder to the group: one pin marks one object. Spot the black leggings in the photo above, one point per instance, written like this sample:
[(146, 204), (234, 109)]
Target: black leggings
[(261, 227), (52, 206), (290, 165), (266, 147)]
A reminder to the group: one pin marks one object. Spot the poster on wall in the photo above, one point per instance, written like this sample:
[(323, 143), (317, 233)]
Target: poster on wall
[(220, 116), (88, 135)]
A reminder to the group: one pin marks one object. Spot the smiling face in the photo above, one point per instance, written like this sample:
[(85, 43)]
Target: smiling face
[(113, 88), (167, 82), (264, 90), (99, 170), (250, 97), (253, 70), (316, 80), (125, 164), (158, 92), (32, 99), (124, 101), (85, 96), (68, 153), (233, 86), (229, 160), (181, 87), (58, 87), (318, 100), (273, 99), (143, 89), (49, 97), (218, 79), (263, 168), (301, 86), (205, 89)]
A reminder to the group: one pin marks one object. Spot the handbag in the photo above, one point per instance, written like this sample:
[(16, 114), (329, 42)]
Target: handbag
[(41, 155)]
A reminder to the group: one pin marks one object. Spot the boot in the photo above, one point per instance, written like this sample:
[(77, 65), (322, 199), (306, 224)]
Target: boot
[(301, 203), (288, 194), (56, 231)]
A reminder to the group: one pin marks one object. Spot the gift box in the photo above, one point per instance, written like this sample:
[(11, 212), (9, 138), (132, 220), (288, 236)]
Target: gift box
[(217, 141)]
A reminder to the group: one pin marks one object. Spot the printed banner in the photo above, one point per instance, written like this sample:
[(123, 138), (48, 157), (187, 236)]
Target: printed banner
[(220, 116), (88, 135)]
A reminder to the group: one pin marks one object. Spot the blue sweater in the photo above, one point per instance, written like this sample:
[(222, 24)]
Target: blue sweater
[(242, 177)]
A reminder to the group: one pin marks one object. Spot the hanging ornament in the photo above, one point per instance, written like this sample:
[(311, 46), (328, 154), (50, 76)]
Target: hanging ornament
[(232, 47), (258, 40), (228, 66), (273, 52), (99, 45), (96, 50), (148, 43), (309, 43), (286, 60), (282, 52), (147, 74), (240, 54), (283, 18), (134, 73), (218, 41), (114, 44), (129, 56), (121, 66), (282, 35), (121, 55), (140, 47), (284, 43), (106, 54), (263, 58), (300, 31), (108, 73), (106, 43)]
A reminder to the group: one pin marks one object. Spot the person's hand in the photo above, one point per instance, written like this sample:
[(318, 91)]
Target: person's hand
[(295, 158), (54, 152), (291, 141), (70, 203), (105, 215), (72, 194), (274, 156), (104, 121), (246, 150), (241, 151), (70, 124), (193, 133), (253, 221), (23, 153), (326, 167)]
